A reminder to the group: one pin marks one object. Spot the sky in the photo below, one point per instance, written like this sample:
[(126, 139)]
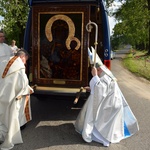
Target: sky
[(1, 18), (112, 23)]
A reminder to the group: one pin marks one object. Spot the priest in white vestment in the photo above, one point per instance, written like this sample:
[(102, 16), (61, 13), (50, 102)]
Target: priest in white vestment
[(15, 93), (106, 116)]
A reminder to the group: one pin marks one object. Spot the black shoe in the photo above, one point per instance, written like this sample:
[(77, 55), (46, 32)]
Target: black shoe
[(23, 127)]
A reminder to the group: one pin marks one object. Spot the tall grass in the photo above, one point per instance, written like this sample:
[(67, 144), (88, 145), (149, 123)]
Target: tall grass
[(138, 62)]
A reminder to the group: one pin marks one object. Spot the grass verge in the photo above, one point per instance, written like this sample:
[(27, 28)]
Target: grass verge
[(138, 62)]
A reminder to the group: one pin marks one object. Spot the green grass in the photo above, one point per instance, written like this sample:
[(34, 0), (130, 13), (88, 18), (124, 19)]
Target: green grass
[(138, 62)]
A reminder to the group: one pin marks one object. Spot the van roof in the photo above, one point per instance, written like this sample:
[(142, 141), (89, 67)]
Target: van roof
[(60, 1)]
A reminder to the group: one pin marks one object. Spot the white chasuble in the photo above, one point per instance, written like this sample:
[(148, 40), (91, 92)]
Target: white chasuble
[(15, 108), (106, 116)]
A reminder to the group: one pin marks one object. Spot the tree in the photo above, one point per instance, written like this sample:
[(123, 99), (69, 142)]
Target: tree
[(118, 38), (15, 13), (134, 22)]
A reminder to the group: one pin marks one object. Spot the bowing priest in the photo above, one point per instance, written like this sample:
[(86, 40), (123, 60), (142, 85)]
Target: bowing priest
[(106, 116), (15, 93)]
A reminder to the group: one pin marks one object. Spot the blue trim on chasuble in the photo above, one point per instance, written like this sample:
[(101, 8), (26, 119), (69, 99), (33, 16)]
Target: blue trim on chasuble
[(126, 131)]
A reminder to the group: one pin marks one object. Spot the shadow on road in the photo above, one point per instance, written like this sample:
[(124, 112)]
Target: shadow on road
[(52, 124)]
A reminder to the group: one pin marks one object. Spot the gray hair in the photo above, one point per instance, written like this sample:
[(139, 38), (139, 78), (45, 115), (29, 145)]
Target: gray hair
[(22, 52), (97, 65)]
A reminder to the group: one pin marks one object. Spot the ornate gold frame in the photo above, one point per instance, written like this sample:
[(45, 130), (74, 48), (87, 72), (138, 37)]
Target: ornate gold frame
[(59, 14)]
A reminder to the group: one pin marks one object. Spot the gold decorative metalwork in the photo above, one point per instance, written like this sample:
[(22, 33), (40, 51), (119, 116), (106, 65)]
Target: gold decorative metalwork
[(71, 36)]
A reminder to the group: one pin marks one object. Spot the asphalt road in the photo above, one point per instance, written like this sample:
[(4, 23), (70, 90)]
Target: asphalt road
[(52, 127)]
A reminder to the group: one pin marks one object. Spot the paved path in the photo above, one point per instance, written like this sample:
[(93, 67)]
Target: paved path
[(137, 93)]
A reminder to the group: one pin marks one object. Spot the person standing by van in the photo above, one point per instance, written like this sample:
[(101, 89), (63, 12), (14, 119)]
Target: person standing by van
[(5, 50), (13, 46)]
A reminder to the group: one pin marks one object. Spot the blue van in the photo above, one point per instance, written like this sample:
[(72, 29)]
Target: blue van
[(57, 40)]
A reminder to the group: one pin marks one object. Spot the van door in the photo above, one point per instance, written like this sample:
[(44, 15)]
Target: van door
[(59, 45)]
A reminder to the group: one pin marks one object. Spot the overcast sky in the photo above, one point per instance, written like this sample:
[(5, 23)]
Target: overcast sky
[(1, 18), (111, 23), (115, 5)]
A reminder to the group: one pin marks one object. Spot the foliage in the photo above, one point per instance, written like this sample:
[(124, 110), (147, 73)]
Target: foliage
[(110, 2), (133, 22), (15, 13)]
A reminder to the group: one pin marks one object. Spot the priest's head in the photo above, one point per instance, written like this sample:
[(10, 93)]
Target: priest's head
[(97, 70), (23, 54)]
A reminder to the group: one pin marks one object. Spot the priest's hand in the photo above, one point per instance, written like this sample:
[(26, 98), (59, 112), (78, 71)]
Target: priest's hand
[(87, 88), (94, 71)]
